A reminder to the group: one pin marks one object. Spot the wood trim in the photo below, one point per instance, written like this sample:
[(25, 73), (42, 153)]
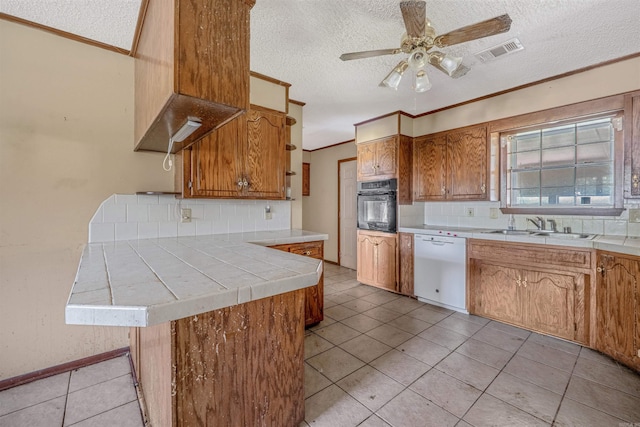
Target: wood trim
[(256, 107), (330, 262), (351, 141), (58, 369), (300, 103), (64, 34), (269, 79), (136, 36), (399, 112), (349, 159)]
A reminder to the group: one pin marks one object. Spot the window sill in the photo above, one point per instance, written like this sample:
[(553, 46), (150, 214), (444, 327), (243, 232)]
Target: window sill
[(576, 211)]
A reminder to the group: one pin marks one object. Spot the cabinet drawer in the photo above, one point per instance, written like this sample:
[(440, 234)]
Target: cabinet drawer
[(530, 254), (311, 249)]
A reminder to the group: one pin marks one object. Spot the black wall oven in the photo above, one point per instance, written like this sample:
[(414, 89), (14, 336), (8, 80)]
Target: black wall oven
[(377, 205)]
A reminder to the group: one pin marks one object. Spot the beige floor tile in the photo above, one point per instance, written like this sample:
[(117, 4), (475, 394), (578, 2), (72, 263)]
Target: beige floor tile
[(423, 350), (572, 414), (382, 314), (410, 324), (381, 297), (446, 392), (389, 335), (556, 343), (374, 421), (491, 412), (365, 348), (596, 356), (99, 372), (470, 318), (519, 332), (403, 305), (359, 305), (342, 297), (402, 368), (485, 353), (409, 409), (33, 393), (468, 370), (362, 322), (605, 399), (460, 326), (370, 387), (45, 414), (93, 400), (335, 364), (361, 291), (314, 381), (314, 344), (617, 377), (528, 397), (548, 355), (439, 309), (443, 337), (427, 314), (463, 423), (333, 407), (325, 322), (347, 284), (540, 374), (499, 339), (337, 333), (127, 415), (339, 312)]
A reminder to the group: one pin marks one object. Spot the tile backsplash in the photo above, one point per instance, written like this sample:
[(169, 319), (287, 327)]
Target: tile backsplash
[(455, 214), (131, 216)]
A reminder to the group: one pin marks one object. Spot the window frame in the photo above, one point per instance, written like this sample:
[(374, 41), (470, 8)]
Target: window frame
[(599, 108)]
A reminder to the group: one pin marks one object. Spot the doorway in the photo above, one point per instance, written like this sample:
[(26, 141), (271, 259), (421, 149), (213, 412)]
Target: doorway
[(347, 213)]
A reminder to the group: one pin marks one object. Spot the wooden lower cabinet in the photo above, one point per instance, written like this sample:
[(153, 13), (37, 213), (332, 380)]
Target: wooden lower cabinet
[(237, 366), (515, 284), (376, 264), (618, 307), (405, 263), (314, 295)]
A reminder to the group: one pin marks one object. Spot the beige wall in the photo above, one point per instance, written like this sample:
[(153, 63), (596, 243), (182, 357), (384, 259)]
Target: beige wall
[(320, 209), (66, 144)]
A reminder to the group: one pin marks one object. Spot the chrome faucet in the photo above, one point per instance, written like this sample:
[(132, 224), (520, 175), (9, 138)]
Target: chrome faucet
[(538, 222), (554, 225)]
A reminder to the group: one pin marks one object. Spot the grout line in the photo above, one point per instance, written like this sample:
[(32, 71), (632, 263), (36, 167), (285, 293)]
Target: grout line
[(66, 400)]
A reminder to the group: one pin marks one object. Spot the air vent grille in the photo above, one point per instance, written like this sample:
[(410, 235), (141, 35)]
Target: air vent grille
[(506, 48)]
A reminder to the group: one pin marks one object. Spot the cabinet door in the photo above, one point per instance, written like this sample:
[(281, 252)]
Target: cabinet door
[(314, 295), (497, 294), (430, 168), (618, 308), (467, 153), (387, 158), (632, 147), (366, 163), (214, 163), (405, 284), (265, 155), (366, 266), (385, 274), (549, 302)]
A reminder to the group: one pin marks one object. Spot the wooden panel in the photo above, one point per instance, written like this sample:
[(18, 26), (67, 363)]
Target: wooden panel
[(467, 154), (550, 302), (214, 166), (366, 161), (265, 155), (366, 265), (496, 293), (405, 267), (632, 145), (387, 158), (242, 365), (405, 170), (618, 308), (306, 179), (385, 268), (429, 168), (575, 259)]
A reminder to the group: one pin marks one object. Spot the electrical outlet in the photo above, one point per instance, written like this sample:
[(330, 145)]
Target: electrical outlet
[(267, 213), (634, 215), (185, 215), (471, 211), (493, 213)]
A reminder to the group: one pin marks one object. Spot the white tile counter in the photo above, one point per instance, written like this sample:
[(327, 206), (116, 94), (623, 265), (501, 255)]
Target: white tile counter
[(620, 244), (151, 281)]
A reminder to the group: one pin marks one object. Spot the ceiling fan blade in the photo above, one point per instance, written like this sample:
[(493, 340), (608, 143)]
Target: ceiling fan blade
[(414, 14), (490, 27), (368, 54)]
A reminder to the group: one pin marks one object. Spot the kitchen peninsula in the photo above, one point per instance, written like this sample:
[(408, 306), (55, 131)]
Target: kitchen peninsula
[(217, 322)]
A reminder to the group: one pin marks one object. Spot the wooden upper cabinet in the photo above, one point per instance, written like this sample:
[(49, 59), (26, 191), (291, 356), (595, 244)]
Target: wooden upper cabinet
[(452, 165), (191, 61), (618, 307), (245, 158), (367, 162), (632, 145)]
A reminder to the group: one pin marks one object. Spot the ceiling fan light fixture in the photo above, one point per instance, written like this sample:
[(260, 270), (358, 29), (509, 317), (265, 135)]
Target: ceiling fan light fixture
[(393, 78), (418, 58), (422, 83)]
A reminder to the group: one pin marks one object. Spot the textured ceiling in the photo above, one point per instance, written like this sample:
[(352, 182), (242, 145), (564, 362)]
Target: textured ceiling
[(300, 41)]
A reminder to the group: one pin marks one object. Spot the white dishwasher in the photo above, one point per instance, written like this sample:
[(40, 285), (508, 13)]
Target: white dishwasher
[(440, 270)]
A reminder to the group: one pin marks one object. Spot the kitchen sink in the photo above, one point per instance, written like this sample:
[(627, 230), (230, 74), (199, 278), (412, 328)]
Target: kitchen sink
[(510, 232), (564, 235)]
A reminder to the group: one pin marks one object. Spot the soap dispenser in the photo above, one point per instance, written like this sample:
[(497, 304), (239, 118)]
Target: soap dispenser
[(511, 223)]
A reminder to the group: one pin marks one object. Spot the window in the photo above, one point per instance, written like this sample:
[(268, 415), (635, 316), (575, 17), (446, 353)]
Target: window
[(566, 167)]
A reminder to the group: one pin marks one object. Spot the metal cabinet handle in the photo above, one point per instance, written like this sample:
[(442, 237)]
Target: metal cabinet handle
[(443, 190), (519, 281), (601, 269), (635, 180), (240, 183), (307, 253), (245, 183), (483, 187), (525, 282)]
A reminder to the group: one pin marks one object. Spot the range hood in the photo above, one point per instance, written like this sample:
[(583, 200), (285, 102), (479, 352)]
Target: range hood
[(191, 63)]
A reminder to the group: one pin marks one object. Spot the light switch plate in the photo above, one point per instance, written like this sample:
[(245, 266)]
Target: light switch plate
[(185, 215), (493, 213), (634, 215), (471, 211)]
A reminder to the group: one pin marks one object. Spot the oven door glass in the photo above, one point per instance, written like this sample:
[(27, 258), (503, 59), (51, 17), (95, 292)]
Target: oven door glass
[(377, 212)]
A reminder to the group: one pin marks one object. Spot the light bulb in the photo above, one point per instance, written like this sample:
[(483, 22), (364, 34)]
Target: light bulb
[(422, 83), (393, 78), (418, 58)]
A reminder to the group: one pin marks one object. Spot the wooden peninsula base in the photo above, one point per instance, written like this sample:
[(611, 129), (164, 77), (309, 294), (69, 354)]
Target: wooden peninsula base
[(237, 366)]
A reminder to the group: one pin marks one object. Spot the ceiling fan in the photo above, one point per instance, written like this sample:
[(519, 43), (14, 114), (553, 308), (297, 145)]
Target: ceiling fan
[(420, 38)]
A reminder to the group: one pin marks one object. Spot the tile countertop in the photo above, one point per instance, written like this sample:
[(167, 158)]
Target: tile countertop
[(620, 244), (150, 281)]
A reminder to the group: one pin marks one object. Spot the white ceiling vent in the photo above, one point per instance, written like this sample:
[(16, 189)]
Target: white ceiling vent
[(506, 48)]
